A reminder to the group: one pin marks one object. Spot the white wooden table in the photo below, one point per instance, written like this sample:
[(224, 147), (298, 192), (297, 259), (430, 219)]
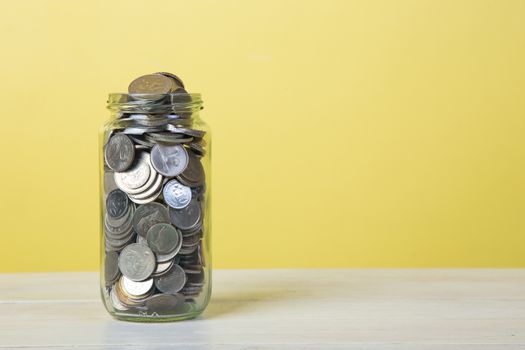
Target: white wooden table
[(282, 309)]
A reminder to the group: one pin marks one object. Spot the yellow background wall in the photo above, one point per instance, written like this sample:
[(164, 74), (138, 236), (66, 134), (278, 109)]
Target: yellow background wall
[(346, 133)]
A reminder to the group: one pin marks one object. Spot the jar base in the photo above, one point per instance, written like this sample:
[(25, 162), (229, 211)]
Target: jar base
[(154, 317)]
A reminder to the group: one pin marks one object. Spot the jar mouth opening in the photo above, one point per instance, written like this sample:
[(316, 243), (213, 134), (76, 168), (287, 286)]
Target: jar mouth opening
[(154, 103)]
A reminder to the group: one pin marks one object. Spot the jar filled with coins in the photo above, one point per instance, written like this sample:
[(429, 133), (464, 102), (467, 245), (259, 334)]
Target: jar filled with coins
[(155, 208)]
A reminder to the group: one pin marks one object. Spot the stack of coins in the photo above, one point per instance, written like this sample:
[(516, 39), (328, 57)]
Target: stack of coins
[(154, 185)]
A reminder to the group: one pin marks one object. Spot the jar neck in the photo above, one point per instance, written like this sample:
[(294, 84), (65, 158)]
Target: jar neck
[(173, 107)]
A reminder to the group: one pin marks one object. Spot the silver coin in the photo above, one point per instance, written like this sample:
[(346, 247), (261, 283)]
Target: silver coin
[(153, 176), (169, 160), (142, 240), (109, 182), (191, 240), (154, 188), (135, 288), (111, 271), (197, 229), (163, 238), (196, 277), (118, 223), (117, 204), (188, 250), (164, 303), (197, 148), (187, 131), (193, 175), (170, 256), (142, 142), (118, 227), (118, 245), (140, 130), (120, 239), (163, 267), (188, 217), (147, 199), (191, 290), (173, 281), (120, 233), (168, 138), (198, 192), (178, 122), (137, 262), (115, 302), (119, 152), (136, 176), (176, 194), (148, 215)]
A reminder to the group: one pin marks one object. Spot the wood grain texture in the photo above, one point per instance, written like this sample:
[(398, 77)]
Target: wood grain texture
[(282, 309)]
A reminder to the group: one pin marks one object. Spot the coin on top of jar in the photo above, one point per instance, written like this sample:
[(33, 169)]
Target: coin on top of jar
[(154, 84)]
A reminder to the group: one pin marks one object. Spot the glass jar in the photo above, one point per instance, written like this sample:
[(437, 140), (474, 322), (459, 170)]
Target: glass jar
[(155, 208)]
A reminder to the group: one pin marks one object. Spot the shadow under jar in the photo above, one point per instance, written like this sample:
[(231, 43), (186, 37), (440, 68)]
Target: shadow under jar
[(155, 208)]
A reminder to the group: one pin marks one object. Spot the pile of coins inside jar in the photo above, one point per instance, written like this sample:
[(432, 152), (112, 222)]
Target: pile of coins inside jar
[(154, 185)]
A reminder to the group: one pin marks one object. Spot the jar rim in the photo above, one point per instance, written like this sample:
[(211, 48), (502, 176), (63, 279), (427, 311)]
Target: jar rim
[(154, 103)]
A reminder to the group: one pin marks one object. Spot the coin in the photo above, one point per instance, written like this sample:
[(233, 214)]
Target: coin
[(118, 244), (193, 175), (117, 204), (115, 302), (169, 160), (109, 182), (142, 142), (198, 192), (176, 195), (150, 182), (170, 256), (197, 148), (135, 288), (187, 131), (148, 192), (168, 138), (154, 84), (142, 240), (188, 250), (191, 240), (181, 96), (148, 215), (136, 176), (130, 300), (164, 303), (147, 199), (163, 238), (119, 152), (137, 262), (111, 271), (163, 267), (172, 281), (178, 80), (115, 225), (140, 130), (187, 217)]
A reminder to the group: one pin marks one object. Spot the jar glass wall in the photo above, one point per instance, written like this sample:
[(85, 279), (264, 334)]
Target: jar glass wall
[(155, 207)]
